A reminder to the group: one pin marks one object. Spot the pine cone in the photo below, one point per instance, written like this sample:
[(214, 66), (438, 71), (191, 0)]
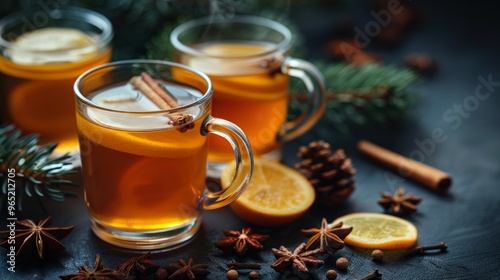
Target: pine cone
[(330, 174)]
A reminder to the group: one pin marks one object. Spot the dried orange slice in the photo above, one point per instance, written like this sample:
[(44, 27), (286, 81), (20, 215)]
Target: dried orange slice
[(276, 195), (378, 231)]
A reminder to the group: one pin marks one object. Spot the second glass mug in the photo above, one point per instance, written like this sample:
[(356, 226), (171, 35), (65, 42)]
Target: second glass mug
[(143, 165), (41, 55), (248, 60)]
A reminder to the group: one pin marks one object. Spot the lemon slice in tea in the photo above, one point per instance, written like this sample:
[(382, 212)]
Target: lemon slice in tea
[(51, 45)]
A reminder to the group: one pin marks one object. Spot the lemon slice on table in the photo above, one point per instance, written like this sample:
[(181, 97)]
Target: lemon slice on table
[(276, 195), (378, 231)]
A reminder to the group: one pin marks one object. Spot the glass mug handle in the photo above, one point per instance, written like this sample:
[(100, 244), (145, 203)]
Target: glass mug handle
[(316, 102), (244, 162)]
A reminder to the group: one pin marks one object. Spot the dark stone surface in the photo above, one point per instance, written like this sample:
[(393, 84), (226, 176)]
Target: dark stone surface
[(464, 40)]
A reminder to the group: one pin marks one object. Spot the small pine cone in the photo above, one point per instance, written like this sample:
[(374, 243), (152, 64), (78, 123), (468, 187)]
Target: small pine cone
[(329, 173)]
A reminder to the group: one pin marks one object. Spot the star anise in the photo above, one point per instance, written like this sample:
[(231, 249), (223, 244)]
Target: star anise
[(99, 272), (327, 237), (43, 238), (399, 202), (300, 260), (242, 241), (182, 270), (140, 266)]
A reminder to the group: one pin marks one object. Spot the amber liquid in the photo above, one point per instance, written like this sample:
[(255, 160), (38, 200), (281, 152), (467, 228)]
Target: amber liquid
[(39, 98), (256, 102), (141, 180)]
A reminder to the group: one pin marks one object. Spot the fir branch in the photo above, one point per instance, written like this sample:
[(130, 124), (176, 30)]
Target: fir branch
[(35, 171), (360, 96)]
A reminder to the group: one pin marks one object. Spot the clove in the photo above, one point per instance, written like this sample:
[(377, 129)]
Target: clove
[(374, 275), (420, 249), (236, 265)]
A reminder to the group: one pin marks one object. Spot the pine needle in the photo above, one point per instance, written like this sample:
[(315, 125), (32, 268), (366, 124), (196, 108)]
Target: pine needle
[(361, 96), (35, 171)]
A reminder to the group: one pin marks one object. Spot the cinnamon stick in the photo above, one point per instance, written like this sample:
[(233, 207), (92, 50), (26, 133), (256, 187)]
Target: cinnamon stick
[(428, 176), (150, 88), (162, 93), (141, 86)]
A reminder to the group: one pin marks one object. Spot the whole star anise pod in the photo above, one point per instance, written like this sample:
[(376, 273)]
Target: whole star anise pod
[(182, 270), (30, 236), (399, 202), (326, 238), (330, 173), (139, 267), (242, 241), (300, 260), (99, 272)]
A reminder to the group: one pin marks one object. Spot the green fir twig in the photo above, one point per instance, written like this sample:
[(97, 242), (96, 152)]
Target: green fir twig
[(360, 96), (29, 169)]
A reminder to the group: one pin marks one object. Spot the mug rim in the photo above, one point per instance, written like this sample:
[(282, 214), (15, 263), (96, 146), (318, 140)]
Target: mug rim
[(245, 19), (76, 13), (205, 95)]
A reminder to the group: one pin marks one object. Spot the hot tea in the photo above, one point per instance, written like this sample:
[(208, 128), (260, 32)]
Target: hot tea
[(143, 127), (248, 60), (131, 170), (39, 65), (255, 99)]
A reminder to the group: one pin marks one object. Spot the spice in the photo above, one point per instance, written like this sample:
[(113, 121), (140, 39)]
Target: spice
[(374, 275), (342, 263), (187, 270), (331, 274), (162, 98), (400, 202), (98, 272), (422, 173), (400, 25), (161, 274), (348, 51), (237, 265), (242, 241), (253, 275), (326, 238), (300, 260), (42, 237), (420, 249), (161, 92), (139, 266), (377, 255), (421, 63), (232, 274)]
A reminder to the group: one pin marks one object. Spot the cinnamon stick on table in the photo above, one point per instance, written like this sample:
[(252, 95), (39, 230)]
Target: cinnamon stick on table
[(150, 88), (406, 167)]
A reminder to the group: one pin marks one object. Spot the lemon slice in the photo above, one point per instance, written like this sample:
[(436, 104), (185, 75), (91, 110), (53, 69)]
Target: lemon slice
[(161, 143), (276, 195), (378, 231), (51, 45)]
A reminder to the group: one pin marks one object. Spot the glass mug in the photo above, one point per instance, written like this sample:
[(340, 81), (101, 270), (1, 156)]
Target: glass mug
[(247, 59), (41, 54), (143, 170)]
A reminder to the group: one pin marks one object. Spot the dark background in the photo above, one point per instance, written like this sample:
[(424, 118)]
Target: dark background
[(463, 37)]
